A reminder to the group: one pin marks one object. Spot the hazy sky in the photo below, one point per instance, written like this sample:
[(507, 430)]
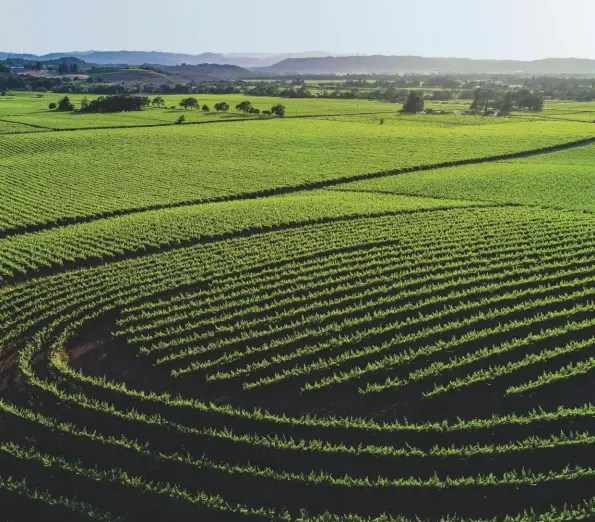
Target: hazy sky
[(519, 29)]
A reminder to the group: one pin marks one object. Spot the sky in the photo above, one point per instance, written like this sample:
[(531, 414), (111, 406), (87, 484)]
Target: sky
[(497, 29)]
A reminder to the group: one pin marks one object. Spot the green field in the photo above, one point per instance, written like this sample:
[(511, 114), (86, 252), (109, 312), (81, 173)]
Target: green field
[(320, 319), (564, 180), (31, 109), (19, 112), (103, 171)]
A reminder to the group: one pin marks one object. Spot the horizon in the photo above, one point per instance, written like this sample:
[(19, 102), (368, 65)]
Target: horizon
[(520, 30), (254, 54)]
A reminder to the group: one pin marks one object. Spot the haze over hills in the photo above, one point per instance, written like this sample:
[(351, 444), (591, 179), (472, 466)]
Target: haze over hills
[(417, 64), (320, 62), (165, 58)]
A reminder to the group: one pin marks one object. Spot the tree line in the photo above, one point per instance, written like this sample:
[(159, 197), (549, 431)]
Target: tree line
[(103, 104), (245, 107), (129, 103), (506, 102)]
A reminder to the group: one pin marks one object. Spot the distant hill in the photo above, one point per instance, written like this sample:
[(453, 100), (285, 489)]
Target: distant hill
[(155, 73), (146, 73), (319, 62), (160, 58), (124, 57), (380, 64), (53, 61), (126, 75)]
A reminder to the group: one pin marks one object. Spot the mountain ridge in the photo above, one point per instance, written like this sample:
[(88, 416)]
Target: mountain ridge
[(252, 60), (320, 62), (385, 64)]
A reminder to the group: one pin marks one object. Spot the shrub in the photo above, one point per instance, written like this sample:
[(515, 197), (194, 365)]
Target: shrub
[(181, 120), (52, 106)]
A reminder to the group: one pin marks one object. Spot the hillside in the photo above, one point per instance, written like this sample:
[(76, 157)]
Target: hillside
[(118, 75), (177, 73), (206, 71), (406, 64)]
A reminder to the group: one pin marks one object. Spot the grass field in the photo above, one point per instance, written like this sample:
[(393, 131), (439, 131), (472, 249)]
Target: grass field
[(19, 111), (30, 109), (297, 320)]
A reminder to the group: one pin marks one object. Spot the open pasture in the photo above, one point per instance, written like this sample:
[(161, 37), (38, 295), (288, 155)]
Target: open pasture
[(32, 109), (298, 320)]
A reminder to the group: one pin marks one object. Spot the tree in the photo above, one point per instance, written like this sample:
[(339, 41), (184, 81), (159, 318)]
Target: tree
[(52, 106), (442, 95), (38, 66), (529, 100), (245, 107), (266, 113), (106, 104), (414, 103), (537, 102), (222, 107), (65, 105), (63, 68), (505, 104), (278, 110), (476, 99), (191, 103), (3, 93), (206, 108), (181, 120), (158, 101)]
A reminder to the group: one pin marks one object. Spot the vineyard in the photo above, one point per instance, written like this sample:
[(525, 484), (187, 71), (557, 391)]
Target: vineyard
[(299, 320)]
